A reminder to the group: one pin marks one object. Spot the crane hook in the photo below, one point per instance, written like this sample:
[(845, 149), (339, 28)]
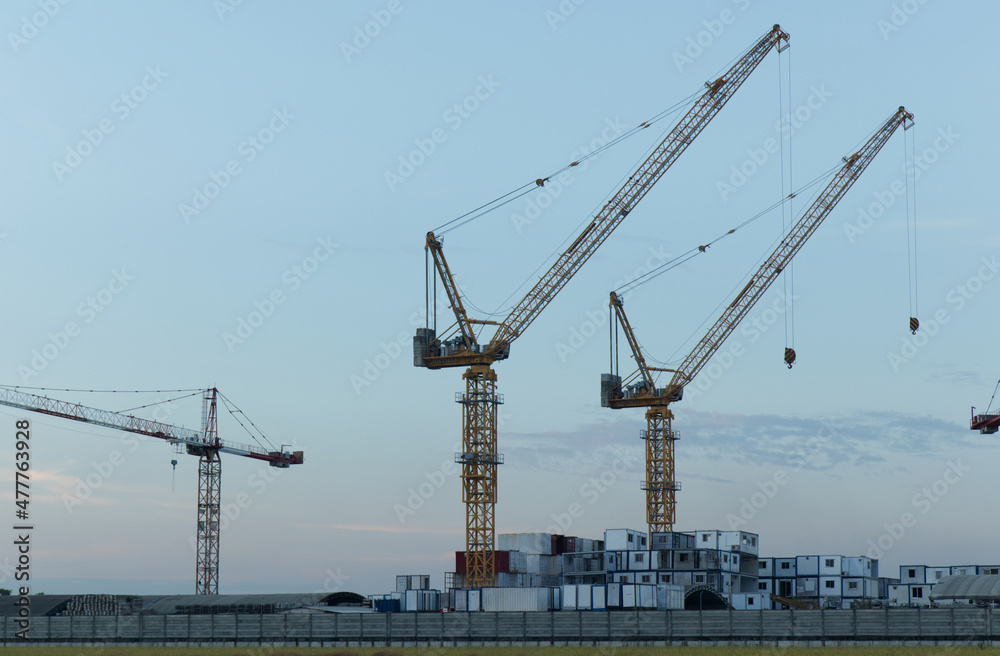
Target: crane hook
[(914, 324), (789, 357)]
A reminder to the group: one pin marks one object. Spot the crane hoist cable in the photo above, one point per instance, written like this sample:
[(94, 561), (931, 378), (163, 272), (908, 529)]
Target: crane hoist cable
[(788, 275), (909, 153), (702, 249)]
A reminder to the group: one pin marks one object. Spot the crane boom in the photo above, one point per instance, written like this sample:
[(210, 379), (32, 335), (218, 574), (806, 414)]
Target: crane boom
[(768, 272), (173, 434), (660, 485), (461, 353)]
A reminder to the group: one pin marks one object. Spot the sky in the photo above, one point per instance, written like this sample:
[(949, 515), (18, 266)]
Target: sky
[(236, 194)]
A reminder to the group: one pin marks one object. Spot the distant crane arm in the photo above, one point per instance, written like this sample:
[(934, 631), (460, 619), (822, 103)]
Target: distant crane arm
[(128, 423)]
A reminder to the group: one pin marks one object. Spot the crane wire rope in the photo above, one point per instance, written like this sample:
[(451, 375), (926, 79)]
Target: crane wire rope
[(230, 406), (528, 187), (697, 251)]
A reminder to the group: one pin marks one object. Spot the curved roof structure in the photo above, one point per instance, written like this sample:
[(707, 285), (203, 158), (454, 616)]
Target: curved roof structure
[(973, 588), (250, 603)]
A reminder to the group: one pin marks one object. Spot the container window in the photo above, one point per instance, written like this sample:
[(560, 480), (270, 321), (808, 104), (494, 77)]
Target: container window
[(784, 566), (699, 578), (645, 578), (918, 592), (762, 565), (829, 584), (913, 573), (829, 562), (853, 585), (762, 586)]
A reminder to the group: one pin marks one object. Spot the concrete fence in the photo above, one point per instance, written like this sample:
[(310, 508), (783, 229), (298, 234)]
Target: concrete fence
[(938, 625)]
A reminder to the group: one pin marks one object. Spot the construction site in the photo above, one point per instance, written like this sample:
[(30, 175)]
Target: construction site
[(814, 510)]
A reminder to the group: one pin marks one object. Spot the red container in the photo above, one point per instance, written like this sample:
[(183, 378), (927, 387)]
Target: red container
[(501, 562)]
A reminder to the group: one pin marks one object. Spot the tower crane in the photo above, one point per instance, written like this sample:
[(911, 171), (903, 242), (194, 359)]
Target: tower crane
[(638, 390), (205, 444), (458, 345)]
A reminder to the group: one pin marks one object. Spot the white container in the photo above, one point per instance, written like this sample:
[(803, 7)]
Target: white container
[(624, 539), (584, 597), (629, 596), (613, 596), (807, 565), (765, 567), (669, 597), (831, 566), (646, 596), (569, 597), (912, 574), (410, 601), (515, 599), (475, 601), (599, 597)]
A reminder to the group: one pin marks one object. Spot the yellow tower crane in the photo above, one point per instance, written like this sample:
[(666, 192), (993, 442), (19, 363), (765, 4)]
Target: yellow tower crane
[(639, 390), (458, 345)]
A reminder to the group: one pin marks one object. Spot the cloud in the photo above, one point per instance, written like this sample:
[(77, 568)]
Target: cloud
[(870, 441)]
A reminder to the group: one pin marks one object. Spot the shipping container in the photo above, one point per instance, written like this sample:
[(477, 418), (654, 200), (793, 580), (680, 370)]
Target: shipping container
[(807, 565), (912, 574), (628, 596), (613, 596), (599, 597), (624, 539), (516, 599), (501, 563), (669, 597), (646, 596), (584, 597), (475, 604), (569, 597)]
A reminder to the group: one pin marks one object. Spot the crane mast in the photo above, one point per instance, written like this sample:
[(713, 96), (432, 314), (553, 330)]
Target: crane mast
[(459, 346), (205, 444), (660, 485)]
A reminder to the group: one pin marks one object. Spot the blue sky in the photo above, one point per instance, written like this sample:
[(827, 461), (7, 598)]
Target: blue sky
[(189, 164)]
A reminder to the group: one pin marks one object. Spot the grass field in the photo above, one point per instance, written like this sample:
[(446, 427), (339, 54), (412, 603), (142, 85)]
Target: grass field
[(505, 651)]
